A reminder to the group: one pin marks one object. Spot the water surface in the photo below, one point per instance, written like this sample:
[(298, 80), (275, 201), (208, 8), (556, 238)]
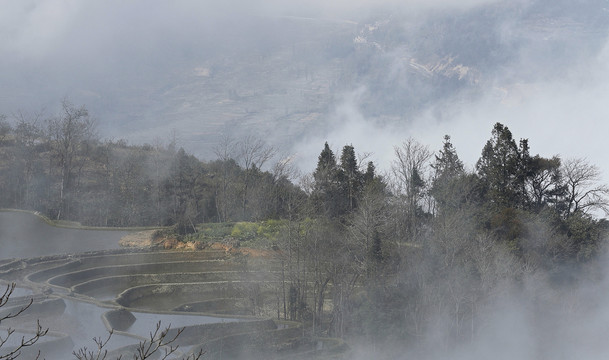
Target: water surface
[(25, 235)]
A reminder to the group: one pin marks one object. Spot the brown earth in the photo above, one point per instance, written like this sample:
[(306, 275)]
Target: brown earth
[(145, 239), (139, 239)]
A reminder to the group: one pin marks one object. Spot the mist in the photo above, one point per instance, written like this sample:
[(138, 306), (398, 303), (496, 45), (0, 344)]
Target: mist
[(548, 88), (139, 69), (371, 74)]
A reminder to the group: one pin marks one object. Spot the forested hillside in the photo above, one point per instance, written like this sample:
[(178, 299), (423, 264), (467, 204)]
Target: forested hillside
[(427, 241), (62, 169)]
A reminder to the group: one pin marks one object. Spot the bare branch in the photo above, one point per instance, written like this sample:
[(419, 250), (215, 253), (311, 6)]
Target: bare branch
[(254, 152), (25, 341), (158, 340), (160, 345), (224, 150), (285, 168), (100, 354), (584, 193)]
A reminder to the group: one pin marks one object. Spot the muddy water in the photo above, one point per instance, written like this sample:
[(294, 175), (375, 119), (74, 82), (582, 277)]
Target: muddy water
[(25, 235)]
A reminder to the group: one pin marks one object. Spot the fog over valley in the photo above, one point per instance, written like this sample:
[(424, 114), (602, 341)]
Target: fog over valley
[(317, 72), (316, 180)]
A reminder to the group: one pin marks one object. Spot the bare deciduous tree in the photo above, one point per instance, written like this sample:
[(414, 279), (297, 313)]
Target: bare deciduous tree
[(69, 134), (409, 169), (253, 153), (583, 191), (367, 222), (411, 161), (28, 135), (284, 168), (160, 345), (225, 152)]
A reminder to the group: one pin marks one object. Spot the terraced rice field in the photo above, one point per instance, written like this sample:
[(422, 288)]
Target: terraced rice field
[(227, 306)]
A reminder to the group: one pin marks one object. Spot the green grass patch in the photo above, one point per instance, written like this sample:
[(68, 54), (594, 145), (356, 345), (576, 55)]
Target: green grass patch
[(214, 231), (261, 234), (244, 231)]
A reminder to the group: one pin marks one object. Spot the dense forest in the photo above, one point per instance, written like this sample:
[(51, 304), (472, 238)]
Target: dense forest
[(396, 253)]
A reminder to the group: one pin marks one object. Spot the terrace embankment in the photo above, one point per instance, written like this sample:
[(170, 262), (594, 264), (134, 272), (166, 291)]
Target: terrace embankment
[(224, 300)]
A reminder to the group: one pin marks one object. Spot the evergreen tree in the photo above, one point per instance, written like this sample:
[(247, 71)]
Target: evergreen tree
[(369, 175), (181, 187), (5, 128), (350, 178), (326, 191), (544, 185), (326, 164), (500, 168), (448, 170), (447, 164)]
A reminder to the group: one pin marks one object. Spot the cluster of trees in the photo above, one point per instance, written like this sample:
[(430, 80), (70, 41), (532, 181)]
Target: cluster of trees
[(387, 256), (60, 167), (430, 242)]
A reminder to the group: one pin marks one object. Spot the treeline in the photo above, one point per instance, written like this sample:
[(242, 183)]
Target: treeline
[(386, 255), (430, 245), (61, 168)]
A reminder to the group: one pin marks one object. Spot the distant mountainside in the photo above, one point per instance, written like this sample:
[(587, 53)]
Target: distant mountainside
[(280, 77)]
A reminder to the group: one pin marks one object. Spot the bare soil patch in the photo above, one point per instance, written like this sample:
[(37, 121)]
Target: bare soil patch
[(148, 239)]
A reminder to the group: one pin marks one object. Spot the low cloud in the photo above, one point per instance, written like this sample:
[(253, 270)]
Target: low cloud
[(562, 112), (36, 28), (54, 48), (347, 125)]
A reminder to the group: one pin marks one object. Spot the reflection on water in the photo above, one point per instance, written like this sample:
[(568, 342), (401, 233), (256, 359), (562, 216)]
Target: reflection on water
[(83, 321), (19, 292), (87, 323), (146, 322), (25, 235)]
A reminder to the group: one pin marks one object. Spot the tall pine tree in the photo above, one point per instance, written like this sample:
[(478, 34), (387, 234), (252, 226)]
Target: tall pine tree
[(350, 178), (326, 191)]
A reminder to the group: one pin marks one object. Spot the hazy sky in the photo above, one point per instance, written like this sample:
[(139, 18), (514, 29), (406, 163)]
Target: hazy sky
[(566, 115), (50, 49), (561, 112)]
